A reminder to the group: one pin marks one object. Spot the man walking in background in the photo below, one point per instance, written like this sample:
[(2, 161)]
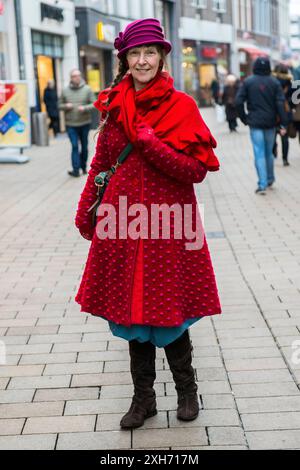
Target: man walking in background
[(77, 103), (265, 104)]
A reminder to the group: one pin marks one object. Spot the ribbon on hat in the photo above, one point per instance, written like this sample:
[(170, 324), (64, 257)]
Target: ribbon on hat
[(119, 41)]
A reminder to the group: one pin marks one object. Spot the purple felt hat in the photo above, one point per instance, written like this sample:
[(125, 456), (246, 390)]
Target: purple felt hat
[(139, 33)]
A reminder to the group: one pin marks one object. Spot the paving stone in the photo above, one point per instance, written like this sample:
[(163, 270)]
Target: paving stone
[(25, 410), (251, 353), (265, 404), (75, 368), (265, 389), (260, 376), (33, 442), (207, 418), (11, 426), (111, 422), (255, 364), (271, 421), (39, 382), (106, 405), (226, 435), (218, 401), (16, 396), (94, 440), (154, 437), (59, 424), (48, 358), (59, 394), (275, 439), (20, 371)]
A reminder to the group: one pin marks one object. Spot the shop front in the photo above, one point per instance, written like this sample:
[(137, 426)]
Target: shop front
[(190, 69), (202, 63), (213, 65), (48, 55), (247, 57), (96, 34), (49, 46)]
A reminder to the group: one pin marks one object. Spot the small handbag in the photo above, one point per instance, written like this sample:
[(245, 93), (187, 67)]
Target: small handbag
[(291, 130), (102, 179)]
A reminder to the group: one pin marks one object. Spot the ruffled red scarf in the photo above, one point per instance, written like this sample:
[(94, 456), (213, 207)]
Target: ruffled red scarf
[(172, 114)]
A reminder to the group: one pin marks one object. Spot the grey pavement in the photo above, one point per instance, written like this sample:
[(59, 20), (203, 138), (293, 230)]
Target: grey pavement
[(66, 383)]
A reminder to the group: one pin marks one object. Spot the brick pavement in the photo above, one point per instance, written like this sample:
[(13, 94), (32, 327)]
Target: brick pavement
[(66, 382)]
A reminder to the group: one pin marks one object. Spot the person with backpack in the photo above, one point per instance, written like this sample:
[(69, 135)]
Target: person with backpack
[(264, 98)]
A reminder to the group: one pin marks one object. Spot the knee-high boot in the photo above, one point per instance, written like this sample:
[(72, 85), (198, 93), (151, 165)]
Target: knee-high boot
[(142, 367), (179, 356)]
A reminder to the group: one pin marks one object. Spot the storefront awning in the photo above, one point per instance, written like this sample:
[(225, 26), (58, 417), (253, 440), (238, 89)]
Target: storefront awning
[(254, 51)]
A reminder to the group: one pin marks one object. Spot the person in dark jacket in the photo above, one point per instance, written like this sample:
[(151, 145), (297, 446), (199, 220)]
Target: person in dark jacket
[(51, 102), (265, 104), (281, 72), (228, 100), (215, 90)]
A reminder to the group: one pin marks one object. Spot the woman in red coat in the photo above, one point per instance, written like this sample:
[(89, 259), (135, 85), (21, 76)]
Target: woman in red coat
[(150, 277)]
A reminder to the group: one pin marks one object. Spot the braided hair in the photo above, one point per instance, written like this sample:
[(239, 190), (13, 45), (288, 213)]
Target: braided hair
[(122, 71)]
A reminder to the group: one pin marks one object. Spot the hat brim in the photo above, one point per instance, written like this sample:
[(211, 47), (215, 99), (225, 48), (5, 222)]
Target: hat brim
[(166, 45)]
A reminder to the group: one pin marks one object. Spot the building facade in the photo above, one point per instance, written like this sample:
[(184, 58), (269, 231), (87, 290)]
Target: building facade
[(206, 31), (8, 41), (48, 45), (260, 28), (294, 42), (99, 22)]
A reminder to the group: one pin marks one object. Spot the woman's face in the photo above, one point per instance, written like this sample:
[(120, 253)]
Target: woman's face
[(143, 62)]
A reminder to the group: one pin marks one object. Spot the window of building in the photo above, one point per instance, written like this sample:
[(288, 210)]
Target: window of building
[(220, 6), (199, 3), (47, 44), (248, 15), (262, 16)]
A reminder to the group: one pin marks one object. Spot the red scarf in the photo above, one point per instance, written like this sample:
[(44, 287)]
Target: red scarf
[(172, 114)]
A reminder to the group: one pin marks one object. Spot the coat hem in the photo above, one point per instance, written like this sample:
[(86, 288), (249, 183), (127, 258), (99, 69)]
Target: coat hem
[(128, 324)]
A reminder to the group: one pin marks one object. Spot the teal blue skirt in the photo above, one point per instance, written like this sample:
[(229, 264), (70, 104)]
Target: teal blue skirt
[(159, 336)]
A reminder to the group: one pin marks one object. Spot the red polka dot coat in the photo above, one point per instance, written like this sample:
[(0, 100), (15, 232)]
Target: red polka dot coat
[(147, 281)]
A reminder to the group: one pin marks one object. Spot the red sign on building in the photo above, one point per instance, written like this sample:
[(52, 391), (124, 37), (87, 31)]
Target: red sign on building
[(1, 8), (209, 52)]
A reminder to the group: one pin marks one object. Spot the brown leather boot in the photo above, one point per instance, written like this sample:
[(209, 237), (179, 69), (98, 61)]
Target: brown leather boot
[(179, 356), (142, 367)]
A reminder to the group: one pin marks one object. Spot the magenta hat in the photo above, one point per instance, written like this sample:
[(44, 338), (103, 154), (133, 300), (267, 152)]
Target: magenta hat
[(139, 33)]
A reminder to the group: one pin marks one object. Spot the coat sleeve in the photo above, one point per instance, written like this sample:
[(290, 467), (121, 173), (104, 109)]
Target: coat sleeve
[(280, 99), (62, 102), (240, 100), (183, 168), (89, 106), (83, 219)]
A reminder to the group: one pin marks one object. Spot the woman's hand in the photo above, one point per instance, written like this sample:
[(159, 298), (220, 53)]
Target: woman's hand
[(145, 133)]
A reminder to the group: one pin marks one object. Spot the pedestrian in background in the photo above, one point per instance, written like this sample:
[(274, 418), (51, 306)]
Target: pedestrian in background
[(171, 287), (77, 102), (265, 102), (215, 90), (51, 103), (296, 119), (281, 72), (228, 100)]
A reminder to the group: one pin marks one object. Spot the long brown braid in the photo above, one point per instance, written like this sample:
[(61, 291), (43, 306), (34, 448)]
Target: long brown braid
[(122, 71)]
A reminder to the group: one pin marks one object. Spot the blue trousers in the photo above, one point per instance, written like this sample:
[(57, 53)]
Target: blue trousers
[(76, 134), (263, 143)]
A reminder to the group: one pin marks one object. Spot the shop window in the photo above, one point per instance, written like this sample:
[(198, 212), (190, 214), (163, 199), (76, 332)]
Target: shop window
[(199, 3), (47, 44), (219, 6)]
